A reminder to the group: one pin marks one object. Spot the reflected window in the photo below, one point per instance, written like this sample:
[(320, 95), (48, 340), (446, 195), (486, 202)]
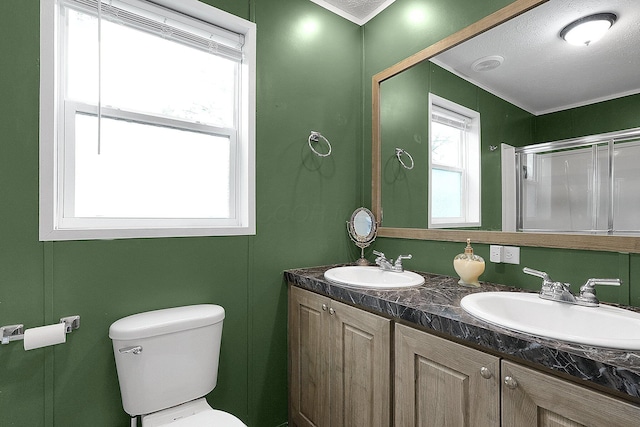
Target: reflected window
[(454, 164)]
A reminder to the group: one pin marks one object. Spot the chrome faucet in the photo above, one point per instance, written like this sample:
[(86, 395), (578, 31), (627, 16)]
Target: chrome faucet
[(558, 291), (588, 291), (388, 264)]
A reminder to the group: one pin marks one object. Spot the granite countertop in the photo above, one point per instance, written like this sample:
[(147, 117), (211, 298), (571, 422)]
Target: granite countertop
[(436, 306)]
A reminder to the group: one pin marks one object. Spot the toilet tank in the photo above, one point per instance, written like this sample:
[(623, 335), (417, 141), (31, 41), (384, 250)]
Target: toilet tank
[(167, 357)]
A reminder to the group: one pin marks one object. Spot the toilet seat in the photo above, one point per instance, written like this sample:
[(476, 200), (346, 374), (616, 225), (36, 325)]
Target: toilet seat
[(196, 413)]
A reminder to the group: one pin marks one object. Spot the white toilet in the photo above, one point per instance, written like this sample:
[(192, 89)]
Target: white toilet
[(167, 361)]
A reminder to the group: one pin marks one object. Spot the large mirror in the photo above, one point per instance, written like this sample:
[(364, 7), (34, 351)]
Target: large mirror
[(509, 111)]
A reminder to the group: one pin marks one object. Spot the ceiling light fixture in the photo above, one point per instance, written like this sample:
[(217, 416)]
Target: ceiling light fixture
[(589, 29)]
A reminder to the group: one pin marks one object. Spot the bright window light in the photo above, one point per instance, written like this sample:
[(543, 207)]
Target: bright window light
[(145, 171), (147, 120)]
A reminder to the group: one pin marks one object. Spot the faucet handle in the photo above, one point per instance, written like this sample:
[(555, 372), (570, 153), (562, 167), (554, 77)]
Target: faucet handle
[(380, 256), (381, 260), (541, 274), (548, 286), (400, 258), (397, 266), (591, 283), (588, 290)]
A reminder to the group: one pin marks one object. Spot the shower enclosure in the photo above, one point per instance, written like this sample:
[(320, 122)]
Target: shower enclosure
[(582, 185)]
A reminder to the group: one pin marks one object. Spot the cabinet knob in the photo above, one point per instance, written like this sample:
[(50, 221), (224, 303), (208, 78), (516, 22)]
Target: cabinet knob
[(510, 382), (332, 311), (324, 307), (485, 372)]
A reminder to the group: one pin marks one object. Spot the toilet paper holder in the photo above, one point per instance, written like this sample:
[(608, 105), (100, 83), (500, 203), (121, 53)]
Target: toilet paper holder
[(10, 333), (71, 323)]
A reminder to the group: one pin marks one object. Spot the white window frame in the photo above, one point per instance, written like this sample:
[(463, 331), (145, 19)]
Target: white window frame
[(53, 223), (470, 167)]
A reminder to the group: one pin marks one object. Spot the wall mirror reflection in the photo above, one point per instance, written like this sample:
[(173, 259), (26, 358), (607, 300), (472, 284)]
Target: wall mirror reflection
[(528, 85)]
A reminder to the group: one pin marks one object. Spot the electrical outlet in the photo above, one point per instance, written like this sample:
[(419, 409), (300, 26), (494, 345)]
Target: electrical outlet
[(511, 255), (495, 253)]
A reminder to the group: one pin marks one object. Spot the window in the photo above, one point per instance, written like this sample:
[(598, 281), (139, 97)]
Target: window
[(454, 165), (147, 120)]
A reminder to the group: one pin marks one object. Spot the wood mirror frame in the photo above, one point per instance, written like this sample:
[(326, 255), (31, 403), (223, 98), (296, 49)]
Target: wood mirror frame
[(546, 240)]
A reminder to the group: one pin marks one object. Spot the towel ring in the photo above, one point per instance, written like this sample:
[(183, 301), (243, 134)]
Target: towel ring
[(315, 137), (399, 153)]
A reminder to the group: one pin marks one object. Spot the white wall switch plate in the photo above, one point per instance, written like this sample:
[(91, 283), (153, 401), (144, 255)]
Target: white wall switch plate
[(511, 255), (495, 253)]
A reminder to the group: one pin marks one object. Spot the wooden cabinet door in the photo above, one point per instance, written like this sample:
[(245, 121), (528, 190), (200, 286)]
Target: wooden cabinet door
[(339, 364), (532, 398), (439, 383), (309, 329), (360, 368)]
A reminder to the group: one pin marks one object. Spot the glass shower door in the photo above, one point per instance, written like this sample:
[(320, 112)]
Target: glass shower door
[(564, 190)]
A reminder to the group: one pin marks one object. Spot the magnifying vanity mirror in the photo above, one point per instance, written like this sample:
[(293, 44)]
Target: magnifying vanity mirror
[(362, 228), (467, 68)]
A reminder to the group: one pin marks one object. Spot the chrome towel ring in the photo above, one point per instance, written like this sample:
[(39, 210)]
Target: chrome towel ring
[(315, 137), (399, 153)]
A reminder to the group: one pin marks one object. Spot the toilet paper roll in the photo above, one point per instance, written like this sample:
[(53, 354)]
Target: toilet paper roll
[(44, 336)]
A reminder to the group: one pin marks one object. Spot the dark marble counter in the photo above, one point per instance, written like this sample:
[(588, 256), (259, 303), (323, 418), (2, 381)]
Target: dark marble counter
[(436, 306)]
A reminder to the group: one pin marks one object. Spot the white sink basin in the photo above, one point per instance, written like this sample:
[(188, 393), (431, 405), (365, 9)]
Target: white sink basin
[(372, 277), (602, 326)]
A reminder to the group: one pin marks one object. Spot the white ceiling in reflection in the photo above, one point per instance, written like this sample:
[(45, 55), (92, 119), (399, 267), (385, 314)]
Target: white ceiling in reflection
[(542, 73)]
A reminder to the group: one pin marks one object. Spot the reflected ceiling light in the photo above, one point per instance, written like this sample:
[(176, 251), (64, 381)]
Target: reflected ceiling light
[(589, 29)]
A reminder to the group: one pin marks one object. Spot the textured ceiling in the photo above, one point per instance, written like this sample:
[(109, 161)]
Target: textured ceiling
[(358, 11), (541, 73)]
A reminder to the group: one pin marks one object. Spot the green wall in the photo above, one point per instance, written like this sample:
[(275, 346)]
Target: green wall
[(608, 116), (307, 80), (396, 34)]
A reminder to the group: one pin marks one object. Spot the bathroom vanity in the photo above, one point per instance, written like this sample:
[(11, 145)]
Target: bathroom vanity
[(414, 357)]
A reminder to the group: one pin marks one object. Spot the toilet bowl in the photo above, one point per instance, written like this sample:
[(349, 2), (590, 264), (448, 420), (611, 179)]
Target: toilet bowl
[(167, 361)]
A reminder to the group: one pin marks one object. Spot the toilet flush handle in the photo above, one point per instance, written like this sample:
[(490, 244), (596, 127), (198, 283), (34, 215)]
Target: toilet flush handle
[(136, 349)]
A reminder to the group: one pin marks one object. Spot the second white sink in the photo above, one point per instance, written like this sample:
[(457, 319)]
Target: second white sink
[(603, 326), (372, 277)]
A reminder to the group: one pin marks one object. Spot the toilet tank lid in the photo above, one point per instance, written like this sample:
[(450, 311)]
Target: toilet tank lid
[(165, 321)]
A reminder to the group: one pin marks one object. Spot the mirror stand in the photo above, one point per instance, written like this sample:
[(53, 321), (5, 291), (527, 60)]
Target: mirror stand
[(362, 229), (362, 260)]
